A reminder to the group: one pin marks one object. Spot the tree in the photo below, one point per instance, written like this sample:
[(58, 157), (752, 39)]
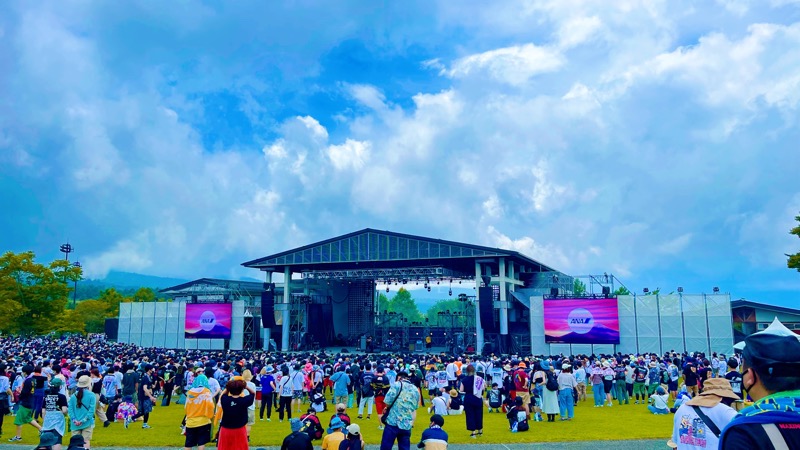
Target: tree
[(451, 305), (33, 296), (144, 294), (403, 304), (93, 314), (794, 260), (112, 299), (622, 290), (383, 304), (578, 287), (70, 322)]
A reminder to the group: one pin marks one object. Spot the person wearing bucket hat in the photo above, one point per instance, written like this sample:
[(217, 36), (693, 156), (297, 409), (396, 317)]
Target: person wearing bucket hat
[(698, 421), (771, 376), (81, 408), (335, 434), (297, 439), (55, 421)]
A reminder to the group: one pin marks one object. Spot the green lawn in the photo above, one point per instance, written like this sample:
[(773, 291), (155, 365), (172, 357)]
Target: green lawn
[(590, 424)]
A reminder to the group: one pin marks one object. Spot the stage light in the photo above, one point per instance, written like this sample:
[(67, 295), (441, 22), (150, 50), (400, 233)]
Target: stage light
[(429, 288), (716, 290), (437, 282), (387, 288), (645, 290), (450, 292), (680, 289)]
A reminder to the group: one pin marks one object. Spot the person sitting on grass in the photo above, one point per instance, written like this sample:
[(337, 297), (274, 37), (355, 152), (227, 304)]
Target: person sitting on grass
[(494, 399), (518, 417), (311, 424), (438, 404), (434, 438), (297, 440), (76, 442), (659, 402), (335, 434), (353, 439), (455, 406), (341, 413), (682, 397)]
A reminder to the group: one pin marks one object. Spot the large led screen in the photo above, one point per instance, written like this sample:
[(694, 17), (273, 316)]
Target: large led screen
[(208, 320), (581, 321)]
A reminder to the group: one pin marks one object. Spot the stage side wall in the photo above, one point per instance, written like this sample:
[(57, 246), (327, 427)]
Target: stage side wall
[(162, 325), (653, 323)]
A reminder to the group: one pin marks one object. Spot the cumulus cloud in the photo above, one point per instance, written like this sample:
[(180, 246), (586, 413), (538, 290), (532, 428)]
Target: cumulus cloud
[(592, 136), (513, 65)]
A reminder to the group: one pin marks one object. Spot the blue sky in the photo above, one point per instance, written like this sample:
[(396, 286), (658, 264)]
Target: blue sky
[(657, 141)]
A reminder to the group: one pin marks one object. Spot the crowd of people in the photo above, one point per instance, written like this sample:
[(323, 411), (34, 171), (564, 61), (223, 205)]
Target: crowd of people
[(81, 383)]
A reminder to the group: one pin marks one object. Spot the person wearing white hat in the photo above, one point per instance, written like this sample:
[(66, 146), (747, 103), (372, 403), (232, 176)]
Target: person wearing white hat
[(566, 386), (353, 439), (698, 422), (771, 376), (81, 408)]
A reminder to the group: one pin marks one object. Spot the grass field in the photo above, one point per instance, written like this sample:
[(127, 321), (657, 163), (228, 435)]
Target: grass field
[(590, 424)]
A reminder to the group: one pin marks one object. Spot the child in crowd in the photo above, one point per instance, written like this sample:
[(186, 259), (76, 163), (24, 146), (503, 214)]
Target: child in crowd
[(494, 398), (518, 417)]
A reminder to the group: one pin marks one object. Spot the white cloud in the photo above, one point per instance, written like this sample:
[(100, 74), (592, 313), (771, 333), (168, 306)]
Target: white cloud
[(578, 30), (350, 155), (513, 65), (677, 245)]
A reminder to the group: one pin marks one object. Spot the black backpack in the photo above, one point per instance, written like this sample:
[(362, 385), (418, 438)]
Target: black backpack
[(552, 382), (366, 385)]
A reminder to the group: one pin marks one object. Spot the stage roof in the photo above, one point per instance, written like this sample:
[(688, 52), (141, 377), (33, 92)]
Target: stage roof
[(742, 303), (373, 249), (214, 286)]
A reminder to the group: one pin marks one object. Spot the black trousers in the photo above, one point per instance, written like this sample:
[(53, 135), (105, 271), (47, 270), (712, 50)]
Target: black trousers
[(266, 401), (285, 406)]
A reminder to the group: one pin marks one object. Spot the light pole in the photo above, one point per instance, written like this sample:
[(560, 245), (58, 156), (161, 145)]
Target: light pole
[(76, 264), (66, 249)]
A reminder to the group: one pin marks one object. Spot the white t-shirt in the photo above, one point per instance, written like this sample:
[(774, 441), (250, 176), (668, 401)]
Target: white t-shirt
[(689, 431), (451, 371), (252, 386), (439, 406)]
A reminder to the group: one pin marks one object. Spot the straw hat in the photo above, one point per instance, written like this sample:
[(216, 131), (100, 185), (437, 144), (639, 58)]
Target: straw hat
[(714, 390), (84, 382)]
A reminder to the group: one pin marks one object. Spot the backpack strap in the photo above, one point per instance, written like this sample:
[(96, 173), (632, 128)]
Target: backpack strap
[(710, 423), (775, 436)]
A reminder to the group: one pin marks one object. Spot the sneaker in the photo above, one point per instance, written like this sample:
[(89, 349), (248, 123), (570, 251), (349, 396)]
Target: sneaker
[(146, 426), (270, 420), (359, 416), (369, 417), (261, 419), (15, 439)]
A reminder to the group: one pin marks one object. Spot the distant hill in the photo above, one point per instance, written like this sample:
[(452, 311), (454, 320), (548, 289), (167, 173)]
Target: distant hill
[(137, 280)]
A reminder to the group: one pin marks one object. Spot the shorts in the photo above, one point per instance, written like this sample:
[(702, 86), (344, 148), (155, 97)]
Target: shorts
[(672, 386), (525, 396), (380, 405), (146, 406), (431, 392), (251, 416), (298, 394), (86, 433), (327, 382), (24, 416), (198, 436)]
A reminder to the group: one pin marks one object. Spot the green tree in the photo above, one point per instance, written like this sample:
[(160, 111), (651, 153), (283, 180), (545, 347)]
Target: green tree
[(452, 305), (794, 260), (383, 304), (622, 290), (402, 303), (33, 296), (93, 314), (70, 322), (578, 287), (144, 294), (112, 298)]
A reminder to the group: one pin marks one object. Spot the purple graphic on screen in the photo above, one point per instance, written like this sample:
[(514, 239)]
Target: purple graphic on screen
[(208, 321), (581, 321)]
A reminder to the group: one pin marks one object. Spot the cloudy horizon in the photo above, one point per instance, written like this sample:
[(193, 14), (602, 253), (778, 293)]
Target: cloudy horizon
[(653, 140)]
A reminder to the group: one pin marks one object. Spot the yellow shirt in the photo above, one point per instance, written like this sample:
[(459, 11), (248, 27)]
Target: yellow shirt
[(199, 407), (331, 441)]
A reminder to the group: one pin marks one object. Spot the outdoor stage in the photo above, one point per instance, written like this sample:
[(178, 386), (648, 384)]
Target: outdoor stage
[(325, 295)]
